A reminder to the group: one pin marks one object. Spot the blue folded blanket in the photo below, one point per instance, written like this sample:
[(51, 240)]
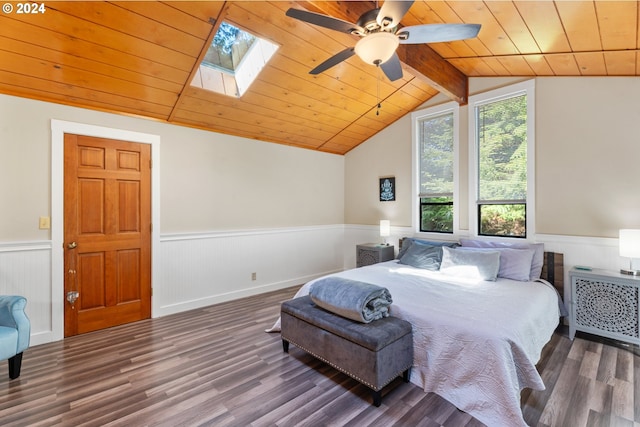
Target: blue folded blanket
[(359, 301)]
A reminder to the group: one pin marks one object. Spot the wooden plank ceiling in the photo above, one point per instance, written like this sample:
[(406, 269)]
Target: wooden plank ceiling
[(138, 58)]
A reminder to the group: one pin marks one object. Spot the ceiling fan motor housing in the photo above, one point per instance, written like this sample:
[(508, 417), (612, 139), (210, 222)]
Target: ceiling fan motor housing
[(369, 22)]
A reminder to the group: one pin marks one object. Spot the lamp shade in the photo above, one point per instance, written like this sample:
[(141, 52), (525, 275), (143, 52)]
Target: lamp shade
[(630, 243), (385, 227), (377, 48)]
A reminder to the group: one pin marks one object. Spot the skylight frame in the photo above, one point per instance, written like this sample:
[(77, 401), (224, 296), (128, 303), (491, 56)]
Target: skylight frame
[(219, 79)]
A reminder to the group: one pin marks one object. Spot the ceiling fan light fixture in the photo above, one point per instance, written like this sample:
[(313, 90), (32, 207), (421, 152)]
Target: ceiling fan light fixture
[(377, 48)]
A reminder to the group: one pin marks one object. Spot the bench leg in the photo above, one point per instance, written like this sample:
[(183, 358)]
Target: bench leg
[(285, 346), (15, 363), (377, 397), (406, 375)]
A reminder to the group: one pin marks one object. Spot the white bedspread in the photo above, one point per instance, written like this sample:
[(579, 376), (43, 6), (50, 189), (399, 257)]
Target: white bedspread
[(475, 343)]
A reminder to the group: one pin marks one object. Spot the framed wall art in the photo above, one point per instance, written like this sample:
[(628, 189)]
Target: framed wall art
[(388, 189)]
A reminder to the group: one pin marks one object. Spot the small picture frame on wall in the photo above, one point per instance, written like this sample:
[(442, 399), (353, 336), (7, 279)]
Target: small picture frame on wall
[(388, 189)]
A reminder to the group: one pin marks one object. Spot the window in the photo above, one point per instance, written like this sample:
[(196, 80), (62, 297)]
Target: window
[(501, 127), (228, 48), (232, 61), (436, 134)]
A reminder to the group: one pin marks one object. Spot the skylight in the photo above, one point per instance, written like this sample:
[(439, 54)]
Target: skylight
[(233, 61)]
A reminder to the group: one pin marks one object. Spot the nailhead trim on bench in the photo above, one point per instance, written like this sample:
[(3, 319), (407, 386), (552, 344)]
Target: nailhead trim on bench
[(355, 377)]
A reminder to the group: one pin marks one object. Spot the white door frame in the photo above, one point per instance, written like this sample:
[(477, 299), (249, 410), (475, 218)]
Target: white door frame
[(58, 129)]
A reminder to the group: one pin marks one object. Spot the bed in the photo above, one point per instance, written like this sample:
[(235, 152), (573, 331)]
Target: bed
[(476, 342)]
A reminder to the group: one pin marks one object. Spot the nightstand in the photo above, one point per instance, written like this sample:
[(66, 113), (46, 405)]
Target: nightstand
[(605, 303), (373, 253)]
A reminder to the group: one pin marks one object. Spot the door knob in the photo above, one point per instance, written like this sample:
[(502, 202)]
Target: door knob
[(72, 245), (72, 296)]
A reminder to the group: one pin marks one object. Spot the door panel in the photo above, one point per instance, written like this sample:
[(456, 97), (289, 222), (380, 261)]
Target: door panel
[(107, 227), (128, 268), (128, 206), (91, 269), (91, 198)]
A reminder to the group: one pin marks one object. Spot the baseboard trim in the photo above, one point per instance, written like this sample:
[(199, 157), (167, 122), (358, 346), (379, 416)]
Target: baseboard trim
[(229, 296)]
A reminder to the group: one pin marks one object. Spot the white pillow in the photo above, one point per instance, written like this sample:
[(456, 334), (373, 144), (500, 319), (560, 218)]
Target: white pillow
[(536, 262), (515, 264), (482, 265)]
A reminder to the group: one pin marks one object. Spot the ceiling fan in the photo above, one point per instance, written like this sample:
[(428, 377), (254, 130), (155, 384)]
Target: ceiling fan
[(380, 35)]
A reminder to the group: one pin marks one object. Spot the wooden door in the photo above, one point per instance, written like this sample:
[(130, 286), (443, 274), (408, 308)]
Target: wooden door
[(107, 233)]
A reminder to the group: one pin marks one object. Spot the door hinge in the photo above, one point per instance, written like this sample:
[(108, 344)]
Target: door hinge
[(150, 164), (151, 227)]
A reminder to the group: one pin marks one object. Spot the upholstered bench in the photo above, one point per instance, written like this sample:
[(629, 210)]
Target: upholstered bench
[(373, 354)]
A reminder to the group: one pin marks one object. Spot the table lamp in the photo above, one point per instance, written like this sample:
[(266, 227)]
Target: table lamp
[(630, 248), (385, 230)]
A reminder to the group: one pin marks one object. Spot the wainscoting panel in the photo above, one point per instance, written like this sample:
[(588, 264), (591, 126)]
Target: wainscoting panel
[(201, 269), (594, 252), (208, 268), (25, 269), (359, 234)]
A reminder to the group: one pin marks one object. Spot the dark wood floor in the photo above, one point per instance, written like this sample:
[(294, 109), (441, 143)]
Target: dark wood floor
[(217, 367)]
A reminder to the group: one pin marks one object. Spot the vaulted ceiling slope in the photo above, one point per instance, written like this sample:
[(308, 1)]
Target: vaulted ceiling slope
[(138, 58)]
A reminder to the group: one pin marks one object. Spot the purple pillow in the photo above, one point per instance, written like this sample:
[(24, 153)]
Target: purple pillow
[(536, 262), (515, 264)]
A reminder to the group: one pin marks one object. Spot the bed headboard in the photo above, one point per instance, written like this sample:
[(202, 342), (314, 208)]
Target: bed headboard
[(401, 241), (552, 269)]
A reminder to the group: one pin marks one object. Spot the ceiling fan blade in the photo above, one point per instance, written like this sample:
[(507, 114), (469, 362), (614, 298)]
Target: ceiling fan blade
[(392, 68), (392, 12), (434, 33), (324, 21), (334, 60)]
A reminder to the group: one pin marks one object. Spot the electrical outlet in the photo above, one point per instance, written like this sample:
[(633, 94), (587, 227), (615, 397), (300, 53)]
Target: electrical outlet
[(44, 223), (253, 276)]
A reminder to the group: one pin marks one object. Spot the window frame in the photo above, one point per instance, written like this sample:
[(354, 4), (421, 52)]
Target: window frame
[(416, 117), (423, 204), (523, 88), (235, 82)]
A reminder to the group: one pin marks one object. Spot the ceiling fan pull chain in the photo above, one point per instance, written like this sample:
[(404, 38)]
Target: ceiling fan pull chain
[(378, 90)]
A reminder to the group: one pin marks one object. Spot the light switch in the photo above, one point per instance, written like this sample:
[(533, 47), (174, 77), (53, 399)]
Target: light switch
[(45, 223)]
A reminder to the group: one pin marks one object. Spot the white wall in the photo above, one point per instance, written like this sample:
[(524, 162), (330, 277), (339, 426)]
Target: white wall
[(209, 181), (586, 173), (232, 206), (388, 153), (586, 153), (385, 154), (208, 268), (228, 207)]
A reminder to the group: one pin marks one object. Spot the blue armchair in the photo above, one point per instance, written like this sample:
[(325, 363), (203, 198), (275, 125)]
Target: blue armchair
[(15, 331)]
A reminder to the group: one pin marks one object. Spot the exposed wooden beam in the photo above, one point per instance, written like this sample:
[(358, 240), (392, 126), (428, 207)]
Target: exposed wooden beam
[(424, 62), (346, 10)]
